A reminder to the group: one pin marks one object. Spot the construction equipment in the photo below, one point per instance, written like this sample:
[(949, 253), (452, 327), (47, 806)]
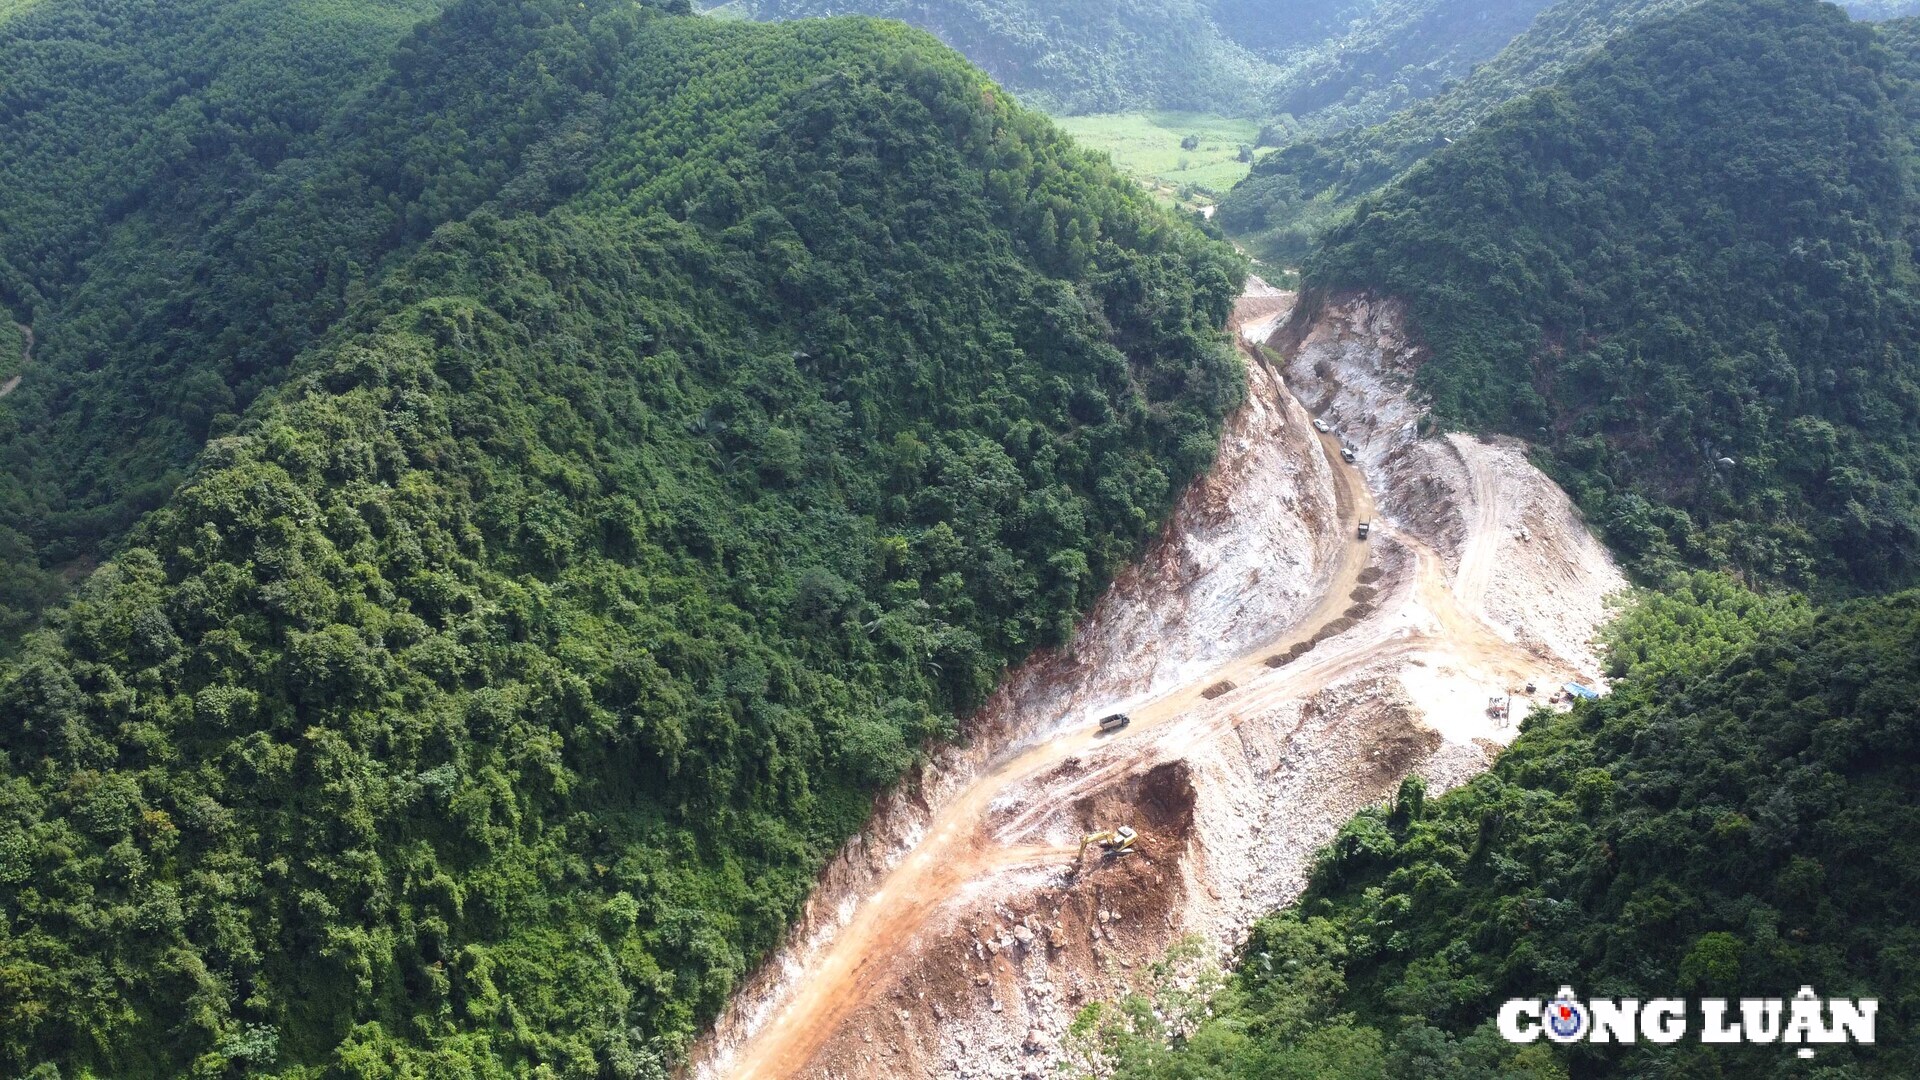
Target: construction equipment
[(1111, 841), (1365, 528)]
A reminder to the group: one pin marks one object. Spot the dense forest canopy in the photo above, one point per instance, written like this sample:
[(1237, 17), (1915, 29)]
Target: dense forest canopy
[(1291, 196), (1686, 273), (1736, 818), (1336, 157), (645, 431), (155, 163)]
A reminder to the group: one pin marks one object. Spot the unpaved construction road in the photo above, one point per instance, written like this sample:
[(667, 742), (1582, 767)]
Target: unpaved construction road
[(997, 826)]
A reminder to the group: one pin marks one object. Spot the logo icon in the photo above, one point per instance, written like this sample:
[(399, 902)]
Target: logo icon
[(1566, 1019)]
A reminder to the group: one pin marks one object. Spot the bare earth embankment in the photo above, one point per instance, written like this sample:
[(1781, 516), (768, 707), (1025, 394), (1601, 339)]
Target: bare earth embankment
[(1281, 674)]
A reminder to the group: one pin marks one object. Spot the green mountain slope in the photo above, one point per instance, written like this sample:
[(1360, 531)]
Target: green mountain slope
[(1686, 273), (159, 166), (1279, 28), (1313, 63), (158, 90), (484, 700), (1328, 163), (1081, 56), (1294, 193), (1401, 52), (1697, 244), (1736, 819)]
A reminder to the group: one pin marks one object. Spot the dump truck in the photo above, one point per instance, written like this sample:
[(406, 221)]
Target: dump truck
[(1115, 721), (1365, 528)]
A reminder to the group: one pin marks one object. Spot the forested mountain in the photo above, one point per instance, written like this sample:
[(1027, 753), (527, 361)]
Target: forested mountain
[(135, 139), (1685, 272), (1084, 56), (1314, 64), (1402, 52), (608, 442), (1316, 72), (1324, 166), (1736, 818), (1275, 28), (1293, 194)]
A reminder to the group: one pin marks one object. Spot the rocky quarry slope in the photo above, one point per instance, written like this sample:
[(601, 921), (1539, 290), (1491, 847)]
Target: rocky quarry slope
[(1281, 674)]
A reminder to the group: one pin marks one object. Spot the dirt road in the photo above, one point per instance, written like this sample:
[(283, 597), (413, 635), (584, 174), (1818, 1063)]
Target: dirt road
[(26, 357), (992, 826)]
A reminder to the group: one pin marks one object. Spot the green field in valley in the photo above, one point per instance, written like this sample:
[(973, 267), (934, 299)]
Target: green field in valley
[(1146, 145)]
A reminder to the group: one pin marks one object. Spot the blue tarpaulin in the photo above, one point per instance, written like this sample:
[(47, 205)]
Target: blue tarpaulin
[(1578, 690)]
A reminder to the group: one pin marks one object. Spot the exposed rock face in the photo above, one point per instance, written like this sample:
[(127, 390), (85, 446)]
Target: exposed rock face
[(1537, 574)]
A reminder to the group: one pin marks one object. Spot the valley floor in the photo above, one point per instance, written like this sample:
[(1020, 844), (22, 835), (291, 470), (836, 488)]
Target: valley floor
[(1147, 146)]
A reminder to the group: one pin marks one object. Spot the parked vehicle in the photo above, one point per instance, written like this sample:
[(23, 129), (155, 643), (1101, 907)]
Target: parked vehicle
[(1346, 454)]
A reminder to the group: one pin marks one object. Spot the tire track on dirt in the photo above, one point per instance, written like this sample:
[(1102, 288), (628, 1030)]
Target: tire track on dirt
[(1476, 556)]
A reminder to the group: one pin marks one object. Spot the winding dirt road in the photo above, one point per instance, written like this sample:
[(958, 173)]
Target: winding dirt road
[(963, 843)]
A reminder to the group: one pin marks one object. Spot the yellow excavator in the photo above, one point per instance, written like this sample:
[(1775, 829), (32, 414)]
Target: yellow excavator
[(1112, 842)]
